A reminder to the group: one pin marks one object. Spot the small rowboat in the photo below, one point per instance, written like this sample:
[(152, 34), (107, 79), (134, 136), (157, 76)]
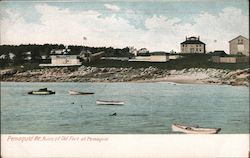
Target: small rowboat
[(194, 130), (71, 92), (43, 91), (111, 102)]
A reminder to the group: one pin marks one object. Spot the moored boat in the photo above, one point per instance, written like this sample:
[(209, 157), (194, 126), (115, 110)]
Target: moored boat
[(43, 91), (72, 92), (194, 129), (109, 102)]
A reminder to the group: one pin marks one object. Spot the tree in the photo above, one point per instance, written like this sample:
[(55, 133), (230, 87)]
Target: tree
[(19, 57), (61, 46)]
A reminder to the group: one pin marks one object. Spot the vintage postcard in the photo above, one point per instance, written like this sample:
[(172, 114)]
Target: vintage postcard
[(124, 78)]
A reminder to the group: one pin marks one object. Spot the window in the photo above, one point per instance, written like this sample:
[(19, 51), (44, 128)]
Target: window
[(240, 41)]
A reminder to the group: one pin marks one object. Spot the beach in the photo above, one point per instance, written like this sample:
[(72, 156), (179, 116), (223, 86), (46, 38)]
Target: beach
[(151, 74)]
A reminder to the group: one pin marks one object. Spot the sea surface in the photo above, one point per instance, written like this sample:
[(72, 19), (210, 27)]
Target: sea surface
[(150, 108)]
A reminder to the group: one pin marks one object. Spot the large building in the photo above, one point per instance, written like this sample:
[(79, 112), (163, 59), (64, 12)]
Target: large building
[(193, 45), (239, 45)]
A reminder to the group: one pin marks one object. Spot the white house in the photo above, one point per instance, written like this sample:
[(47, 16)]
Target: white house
[(44, 57), (3, 56), (174, 56), (27, 56), (59, 51), (239, 45), (10, 55), (159, 57), (63, 60), (153, 57), (133, 50)]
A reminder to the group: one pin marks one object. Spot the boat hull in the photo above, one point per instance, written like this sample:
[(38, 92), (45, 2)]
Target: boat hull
[(41, 92), (194, 130)]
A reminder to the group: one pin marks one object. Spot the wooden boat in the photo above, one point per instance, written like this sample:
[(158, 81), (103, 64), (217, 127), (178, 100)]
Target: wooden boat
[(72, 92), (43, 91), (194, 130), (109, 102)]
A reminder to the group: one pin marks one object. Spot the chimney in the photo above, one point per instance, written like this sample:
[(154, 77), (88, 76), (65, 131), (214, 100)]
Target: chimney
[(198, 38), (186, 37)]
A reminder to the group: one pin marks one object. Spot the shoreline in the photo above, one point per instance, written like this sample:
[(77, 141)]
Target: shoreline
[(167, 81), (141, 75)]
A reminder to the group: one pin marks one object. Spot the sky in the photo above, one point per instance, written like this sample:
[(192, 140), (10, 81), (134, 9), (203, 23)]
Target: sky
[(159, 25)]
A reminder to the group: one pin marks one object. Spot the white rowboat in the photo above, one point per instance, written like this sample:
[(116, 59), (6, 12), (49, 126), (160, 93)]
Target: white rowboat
[(106, 102), (194, 130)]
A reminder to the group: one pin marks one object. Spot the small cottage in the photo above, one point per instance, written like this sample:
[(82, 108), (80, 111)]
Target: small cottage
[(159, 57), (239, 45), (63, 60)]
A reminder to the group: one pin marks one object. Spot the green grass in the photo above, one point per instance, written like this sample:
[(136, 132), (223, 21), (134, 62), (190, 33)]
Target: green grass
[(189, 61)]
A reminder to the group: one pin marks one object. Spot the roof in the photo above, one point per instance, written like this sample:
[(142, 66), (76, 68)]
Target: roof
[(218, 53), (238, 37), (192, 37), (63, 55), (192, 42)]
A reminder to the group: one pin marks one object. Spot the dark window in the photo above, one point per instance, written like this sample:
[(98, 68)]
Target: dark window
[(240, 41)]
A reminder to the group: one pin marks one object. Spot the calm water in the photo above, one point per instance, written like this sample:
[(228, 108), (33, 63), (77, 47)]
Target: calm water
[(149, 108)]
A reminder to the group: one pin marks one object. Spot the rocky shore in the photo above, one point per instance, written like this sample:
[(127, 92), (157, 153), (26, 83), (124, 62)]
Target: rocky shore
[(150, 74)]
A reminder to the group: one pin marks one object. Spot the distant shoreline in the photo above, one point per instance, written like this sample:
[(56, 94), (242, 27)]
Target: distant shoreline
[(145, 75), (173, 81)]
